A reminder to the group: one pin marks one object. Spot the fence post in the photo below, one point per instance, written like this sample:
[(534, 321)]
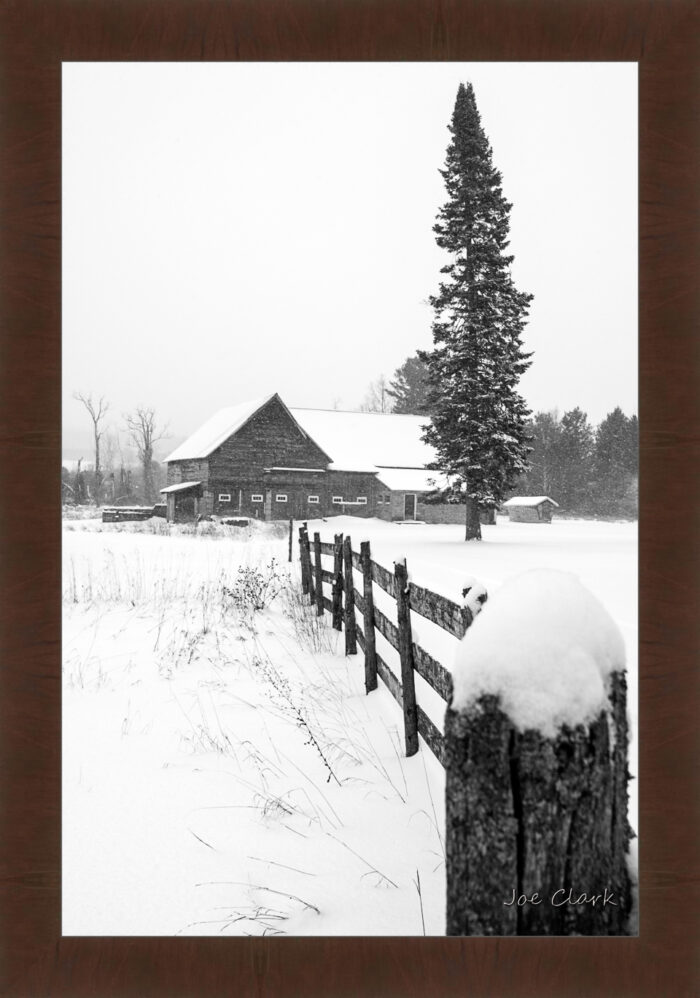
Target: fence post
[(337, 582), (291, 534), (527, 814), (370, 643), (319, 574), (350, 624), (403, 608), (302, 562), (309, 570)]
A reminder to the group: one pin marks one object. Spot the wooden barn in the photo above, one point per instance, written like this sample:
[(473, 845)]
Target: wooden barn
[(262, 459), (530, 509)]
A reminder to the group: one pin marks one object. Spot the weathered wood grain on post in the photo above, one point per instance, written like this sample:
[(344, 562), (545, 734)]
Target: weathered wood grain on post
[(350, 624), (439, 610), (481, 829), (319, 574), (368, 610), (309, 570), (536, 816), (337, 591), (403, 612), (302, 562)]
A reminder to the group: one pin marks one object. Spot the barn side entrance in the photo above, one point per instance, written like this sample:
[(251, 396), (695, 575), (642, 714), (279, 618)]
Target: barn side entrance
[(409, 506), (182, 501)]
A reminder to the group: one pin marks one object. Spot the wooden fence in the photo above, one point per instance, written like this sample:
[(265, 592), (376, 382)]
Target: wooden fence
[(536, 829), (410, 598)]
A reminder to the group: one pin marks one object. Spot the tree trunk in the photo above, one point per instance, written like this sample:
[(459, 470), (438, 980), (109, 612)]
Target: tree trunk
[(98, 470), (148, 486), (473, 521)]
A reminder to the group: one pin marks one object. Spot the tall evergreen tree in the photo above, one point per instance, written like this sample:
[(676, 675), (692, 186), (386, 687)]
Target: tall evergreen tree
[(478, 418), (576, 461), (544, 474), (409, 387), (616, 463)]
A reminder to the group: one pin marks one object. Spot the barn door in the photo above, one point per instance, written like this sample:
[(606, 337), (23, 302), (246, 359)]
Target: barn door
[(409, 506)]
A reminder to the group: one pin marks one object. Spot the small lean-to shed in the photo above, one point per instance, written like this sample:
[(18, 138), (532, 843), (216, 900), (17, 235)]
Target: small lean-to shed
[(183, 501), (530, 509)]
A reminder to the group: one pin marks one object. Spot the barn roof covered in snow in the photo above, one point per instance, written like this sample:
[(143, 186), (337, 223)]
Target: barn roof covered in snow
[(364, 441), (353, 441), (222, 425), (216, 430), (529, 501)]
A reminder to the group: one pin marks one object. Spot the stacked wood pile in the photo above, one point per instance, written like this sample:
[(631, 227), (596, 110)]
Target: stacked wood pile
[(120, 514)]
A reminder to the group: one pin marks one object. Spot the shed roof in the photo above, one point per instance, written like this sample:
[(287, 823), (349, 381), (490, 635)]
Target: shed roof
[(182, 487), (529, 501)]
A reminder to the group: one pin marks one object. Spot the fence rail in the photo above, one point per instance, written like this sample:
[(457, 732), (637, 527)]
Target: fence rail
[(410, 598), (508, 793)]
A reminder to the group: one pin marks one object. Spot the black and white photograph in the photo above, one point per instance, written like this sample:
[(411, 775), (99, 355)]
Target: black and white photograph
[(349, 492)]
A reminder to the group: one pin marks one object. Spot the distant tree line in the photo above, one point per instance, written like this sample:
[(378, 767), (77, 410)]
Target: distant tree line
[(588, 471), (109, 475)]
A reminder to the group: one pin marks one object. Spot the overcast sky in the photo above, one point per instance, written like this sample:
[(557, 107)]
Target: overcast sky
[(231, 230)]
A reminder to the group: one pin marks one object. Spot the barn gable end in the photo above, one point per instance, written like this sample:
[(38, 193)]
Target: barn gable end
[(271, 438)]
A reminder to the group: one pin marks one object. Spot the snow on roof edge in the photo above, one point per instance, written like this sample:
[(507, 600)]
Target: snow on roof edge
[(529, 501)]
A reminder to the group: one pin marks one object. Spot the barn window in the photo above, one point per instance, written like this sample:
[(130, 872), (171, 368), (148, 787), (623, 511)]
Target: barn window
[(380, 500), (256, 498), (338, 500), (362, 500), (387, 499), (281, 497), (313, 498), (224, 497)]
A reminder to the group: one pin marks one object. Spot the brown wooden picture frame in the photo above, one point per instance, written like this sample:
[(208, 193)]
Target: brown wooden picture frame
[(35, 37)]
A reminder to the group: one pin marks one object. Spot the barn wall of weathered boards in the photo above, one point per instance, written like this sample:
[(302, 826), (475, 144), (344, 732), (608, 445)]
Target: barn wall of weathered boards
[(263, 460)]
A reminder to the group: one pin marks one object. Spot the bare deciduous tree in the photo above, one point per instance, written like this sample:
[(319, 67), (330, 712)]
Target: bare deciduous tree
[(377, 398), (97, 410), (144, 434), (110, 449)]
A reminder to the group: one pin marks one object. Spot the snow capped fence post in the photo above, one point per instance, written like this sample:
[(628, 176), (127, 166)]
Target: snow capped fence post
[(337, 594), (370, 643), (403, 610), (536, 745), (350, 623), (319, 574)]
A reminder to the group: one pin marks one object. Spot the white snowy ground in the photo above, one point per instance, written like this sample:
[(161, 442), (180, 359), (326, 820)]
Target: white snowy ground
[(225, 773)]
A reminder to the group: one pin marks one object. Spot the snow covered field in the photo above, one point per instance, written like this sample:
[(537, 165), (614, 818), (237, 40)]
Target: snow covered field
[(223, 770)]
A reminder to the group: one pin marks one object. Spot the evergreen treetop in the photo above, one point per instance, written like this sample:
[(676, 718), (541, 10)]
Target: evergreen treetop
[(478, 418)]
